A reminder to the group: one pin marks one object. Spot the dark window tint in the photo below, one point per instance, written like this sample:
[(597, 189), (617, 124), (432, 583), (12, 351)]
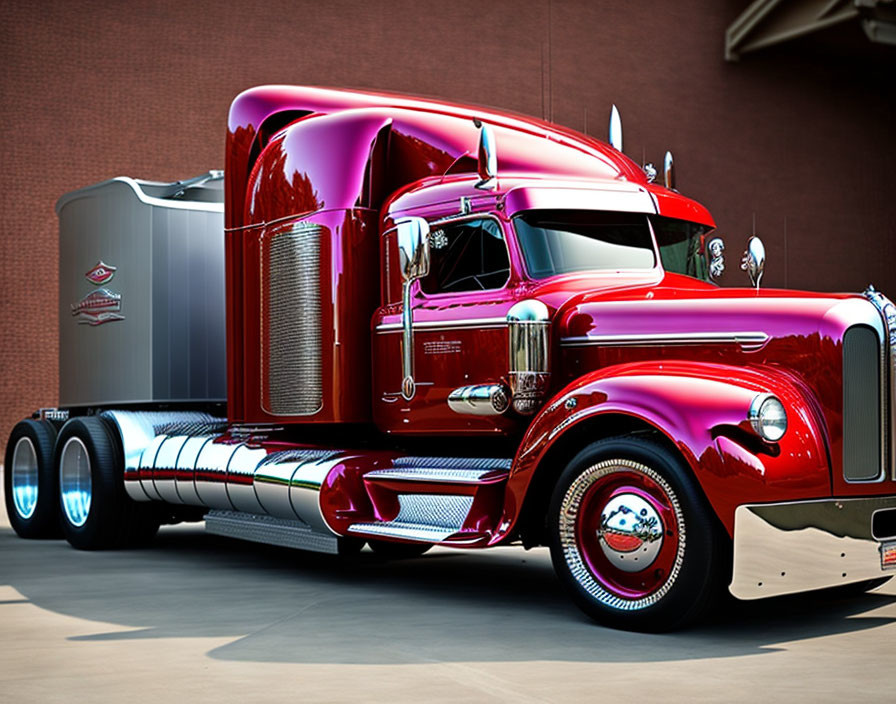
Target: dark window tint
[(466, 256), (566, 241), (681, 246)]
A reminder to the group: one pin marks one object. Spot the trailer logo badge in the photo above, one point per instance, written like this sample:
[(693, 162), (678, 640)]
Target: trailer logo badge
[(98, 307), (101, 273)]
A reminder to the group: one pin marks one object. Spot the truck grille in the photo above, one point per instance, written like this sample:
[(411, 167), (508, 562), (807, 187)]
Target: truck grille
[(869, 395), (862, 437), (293, 320)]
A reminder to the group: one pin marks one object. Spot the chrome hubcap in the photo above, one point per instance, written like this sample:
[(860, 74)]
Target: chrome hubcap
[(631, 532), (75, 482), (24, 478), (622, 533)]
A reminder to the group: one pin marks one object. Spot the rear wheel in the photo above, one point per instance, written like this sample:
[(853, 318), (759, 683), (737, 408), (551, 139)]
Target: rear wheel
[(29, 482), (95, 511), (632, 538)]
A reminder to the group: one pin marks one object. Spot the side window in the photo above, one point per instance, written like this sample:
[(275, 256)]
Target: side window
[(466, 256)]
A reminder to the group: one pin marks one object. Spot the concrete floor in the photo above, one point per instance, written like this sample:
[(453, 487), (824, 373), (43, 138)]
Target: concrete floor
[(203, 618)]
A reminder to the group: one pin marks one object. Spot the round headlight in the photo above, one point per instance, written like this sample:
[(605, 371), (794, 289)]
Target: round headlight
[(768, 417)]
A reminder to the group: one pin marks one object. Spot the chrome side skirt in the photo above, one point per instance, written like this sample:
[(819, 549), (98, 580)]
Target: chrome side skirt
[(798, 546)]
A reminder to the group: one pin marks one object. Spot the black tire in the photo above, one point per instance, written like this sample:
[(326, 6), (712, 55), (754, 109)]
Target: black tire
[(29, 454), (89, 462), (622, 500), (388, 550)]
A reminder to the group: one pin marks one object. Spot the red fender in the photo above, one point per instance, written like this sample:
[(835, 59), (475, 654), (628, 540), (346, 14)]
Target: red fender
[(703, 410)]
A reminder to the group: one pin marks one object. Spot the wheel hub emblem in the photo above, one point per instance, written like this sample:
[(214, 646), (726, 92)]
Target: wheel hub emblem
[(631, 532)]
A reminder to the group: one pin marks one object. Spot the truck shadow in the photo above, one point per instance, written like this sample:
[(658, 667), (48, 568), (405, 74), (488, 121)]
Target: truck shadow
[(279, 605)]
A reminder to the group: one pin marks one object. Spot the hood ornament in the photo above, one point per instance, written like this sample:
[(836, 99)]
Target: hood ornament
[(101, 273), (716, 249)]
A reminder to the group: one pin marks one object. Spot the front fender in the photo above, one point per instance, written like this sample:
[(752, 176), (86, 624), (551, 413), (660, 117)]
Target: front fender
[(702, 409)]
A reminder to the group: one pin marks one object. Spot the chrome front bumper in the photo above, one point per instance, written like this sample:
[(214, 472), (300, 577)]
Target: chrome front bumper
[(803, 545)]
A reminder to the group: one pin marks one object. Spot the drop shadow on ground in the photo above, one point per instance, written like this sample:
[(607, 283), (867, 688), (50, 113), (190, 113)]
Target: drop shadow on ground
[(279, 605)]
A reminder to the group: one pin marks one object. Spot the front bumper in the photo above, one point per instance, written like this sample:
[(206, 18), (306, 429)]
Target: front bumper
[(803, 545)]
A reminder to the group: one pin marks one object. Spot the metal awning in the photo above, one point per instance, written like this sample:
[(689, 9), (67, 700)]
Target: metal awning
[(768, 22)]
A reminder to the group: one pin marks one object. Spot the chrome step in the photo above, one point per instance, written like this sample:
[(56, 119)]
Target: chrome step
[(425, 518), (438, 475), (481, 463), (444, 470), (269, 530), (405, 531)]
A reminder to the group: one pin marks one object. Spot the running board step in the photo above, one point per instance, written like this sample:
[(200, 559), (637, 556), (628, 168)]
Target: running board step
[(447, 470), (269, 530), (424, 518)]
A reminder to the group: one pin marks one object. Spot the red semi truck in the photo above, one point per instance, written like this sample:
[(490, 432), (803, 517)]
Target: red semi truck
[(446, 325)]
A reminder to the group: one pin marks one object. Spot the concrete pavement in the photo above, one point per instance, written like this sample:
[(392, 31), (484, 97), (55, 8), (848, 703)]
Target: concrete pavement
[(203, 618)]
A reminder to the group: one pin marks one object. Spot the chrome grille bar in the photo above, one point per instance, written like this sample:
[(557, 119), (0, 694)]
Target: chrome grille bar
[(887, 310)]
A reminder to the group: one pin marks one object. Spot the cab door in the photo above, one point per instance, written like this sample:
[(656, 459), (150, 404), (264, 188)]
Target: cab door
[(459, 332)]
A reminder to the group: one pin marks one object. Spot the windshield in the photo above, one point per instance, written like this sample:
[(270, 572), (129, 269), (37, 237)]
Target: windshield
[(681, 246), (568, 241)]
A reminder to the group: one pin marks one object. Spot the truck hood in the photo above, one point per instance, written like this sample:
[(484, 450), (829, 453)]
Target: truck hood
[(679, 310)]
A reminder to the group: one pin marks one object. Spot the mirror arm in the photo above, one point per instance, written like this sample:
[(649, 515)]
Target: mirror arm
[(407, 343)]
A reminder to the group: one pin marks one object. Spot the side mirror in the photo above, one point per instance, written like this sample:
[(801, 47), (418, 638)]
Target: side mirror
[(715, 249), (413, 253), (487, 160), (754, 260), (413, 248)]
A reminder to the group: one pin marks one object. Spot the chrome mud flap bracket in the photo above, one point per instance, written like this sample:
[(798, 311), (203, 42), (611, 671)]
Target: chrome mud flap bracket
[(798, 546)]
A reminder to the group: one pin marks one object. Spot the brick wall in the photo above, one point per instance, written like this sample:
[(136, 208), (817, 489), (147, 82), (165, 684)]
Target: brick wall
[(801, 135)]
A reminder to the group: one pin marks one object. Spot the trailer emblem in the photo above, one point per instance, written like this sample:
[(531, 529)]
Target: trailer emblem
[(101, 273), (98, 307)]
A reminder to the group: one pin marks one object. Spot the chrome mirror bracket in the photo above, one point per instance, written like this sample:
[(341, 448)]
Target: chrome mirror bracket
[(413, 253)]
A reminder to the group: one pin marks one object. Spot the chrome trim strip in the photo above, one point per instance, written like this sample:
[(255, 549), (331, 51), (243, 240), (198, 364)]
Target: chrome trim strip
[(747, 339), (796, 546), (446, 324)]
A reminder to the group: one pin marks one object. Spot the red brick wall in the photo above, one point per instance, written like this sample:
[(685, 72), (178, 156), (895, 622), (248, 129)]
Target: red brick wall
[(802, 135)]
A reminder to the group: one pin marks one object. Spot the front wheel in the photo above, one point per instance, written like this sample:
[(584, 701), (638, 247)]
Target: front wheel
[(632, 538)]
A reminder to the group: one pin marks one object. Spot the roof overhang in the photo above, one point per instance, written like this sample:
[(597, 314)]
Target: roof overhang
[(768, 22)]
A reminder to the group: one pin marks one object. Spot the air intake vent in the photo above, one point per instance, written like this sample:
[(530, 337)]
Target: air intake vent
[(293, 313), (862, 435)]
